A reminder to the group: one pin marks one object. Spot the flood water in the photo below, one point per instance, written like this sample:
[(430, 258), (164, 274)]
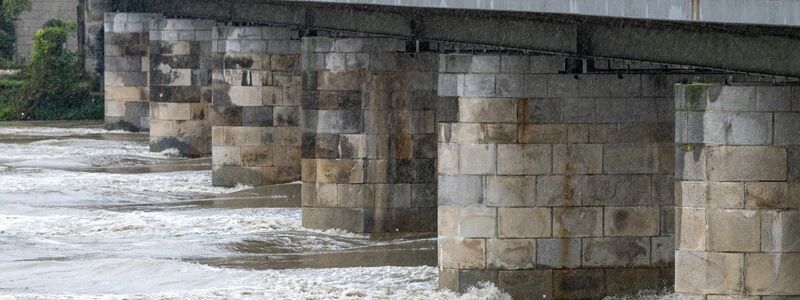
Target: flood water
[(88, 213)]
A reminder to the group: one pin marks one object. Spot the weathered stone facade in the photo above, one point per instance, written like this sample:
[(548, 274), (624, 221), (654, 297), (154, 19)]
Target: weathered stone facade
[(738, 191), (127, 88), (41, 11), (556, 185), (256, 106), (369, 149), (93, 34), (180, 86)]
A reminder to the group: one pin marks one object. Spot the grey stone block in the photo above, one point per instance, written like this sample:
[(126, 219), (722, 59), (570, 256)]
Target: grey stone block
[(616, 252), (773, 98), (787, 128), (544, 110), (558, 190), (610, 85), (577, 221), (578, 110), (485, 64), (630, 158), (523, 284), (612, 110), (514, 64), (616, 190), (730, 98), (479, 85), (535, 85), (562, 85), (460, 189), (510, 85), (578, 159), (579, 284), (558, 253), (747, 163), (256, 116), (510, 190)]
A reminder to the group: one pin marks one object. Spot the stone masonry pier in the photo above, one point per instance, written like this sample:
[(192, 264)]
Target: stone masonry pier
[(369, 150), (548, 176), (256, 106)]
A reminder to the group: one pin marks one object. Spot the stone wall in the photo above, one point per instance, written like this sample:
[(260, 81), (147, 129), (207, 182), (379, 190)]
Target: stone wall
[(32, 20), (93, 34), (127, 88), (256, 106), (738, 171), (180, 86), (369, 149), (555, 185)]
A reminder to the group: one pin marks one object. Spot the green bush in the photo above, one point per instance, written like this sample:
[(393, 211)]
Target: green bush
[(55, 85)]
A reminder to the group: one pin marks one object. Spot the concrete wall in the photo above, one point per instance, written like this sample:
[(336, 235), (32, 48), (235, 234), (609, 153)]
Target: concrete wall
[(42, 11), (180, 86), (256, 106), (739, 191), (369, 149)]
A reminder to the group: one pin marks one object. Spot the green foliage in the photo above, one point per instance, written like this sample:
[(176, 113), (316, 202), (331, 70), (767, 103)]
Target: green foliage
[(12, 8), (9, 11), (55, 84)]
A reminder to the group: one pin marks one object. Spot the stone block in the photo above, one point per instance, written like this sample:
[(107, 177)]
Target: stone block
[(733, 230), (612, 110), (730, 98), (787, 128), (631, 281), (527, 284), (535, 86), (690, 162), (339, 218), (479, 85), (746, 163), (487, 110), (477, 222), (451, 85), (467, 133), (557, 191), (485, 64), (232, 176), (456, 63), (710, 194), (544, 110), (578, 159), (558, 253), (543, 134), (448, 158), (578, 110), (254, 156), (773, 98), (616, 190), (780, 231), (501, 133), (523, 159), (511, 254), (355, 195), (462, 253), (507, 191), (772, 273), (472, 278), (257, 116), (692, 232), (577, 221), (632, 221), (478, 159), (663, 251), (616, 252), (549, 64), (562, 85), (664, 190), (460, 189), (767, 195), (579, 284), (524, 222), (630, 158), (447, 221), (339, 80), (510, 85), (610, 85), (340, 171)]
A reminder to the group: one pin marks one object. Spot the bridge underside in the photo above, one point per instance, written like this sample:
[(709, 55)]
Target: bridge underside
[(736, 47)]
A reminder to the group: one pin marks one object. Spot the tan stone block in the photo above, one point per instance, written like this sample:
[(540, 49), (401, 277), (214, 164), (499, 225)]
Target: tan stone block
[(199, 111), (114, 108), (772, 274), (377, 171), (126, 93), (393, 195), (243, 136), (478, 159), (309, 170), (487, 110), (511, 254), (226, 156), (256, 156), (524, 222), (477, 222), (577, 221), (327, 195), (578, 159), (523, 159), (510, 191), (340, 171), (308, 195), (286, 156), (467, 133), (159, 128), (339, 80), (448, 158), (462, 253), (404, 146), (733, 230), (271, 95), (632, 221), (747, 163), (543, 134), (708, 272), (217, 136), (780, 231), (356, 195), (726, 194), (171, 111), (447, 221), (501, 133), (692, 229), (246, 95), (767, 194)]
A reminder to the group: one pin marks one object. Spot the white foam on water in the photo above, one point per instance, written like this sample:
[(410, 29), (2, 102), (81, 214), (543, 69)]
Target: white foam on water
[(82, 151), (54, 131), (165, 279)]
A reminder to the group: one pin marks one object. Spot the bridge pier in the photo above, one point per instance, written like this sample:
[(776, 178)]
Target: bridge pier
[(554, 185), (738, 166), (126, 56), (369, 149), (180, 86), (256, 106)]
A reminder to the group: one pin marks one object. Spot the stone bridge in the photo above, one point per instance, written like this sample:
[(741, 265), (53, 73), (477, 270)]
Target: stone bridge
[(561, 149)]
